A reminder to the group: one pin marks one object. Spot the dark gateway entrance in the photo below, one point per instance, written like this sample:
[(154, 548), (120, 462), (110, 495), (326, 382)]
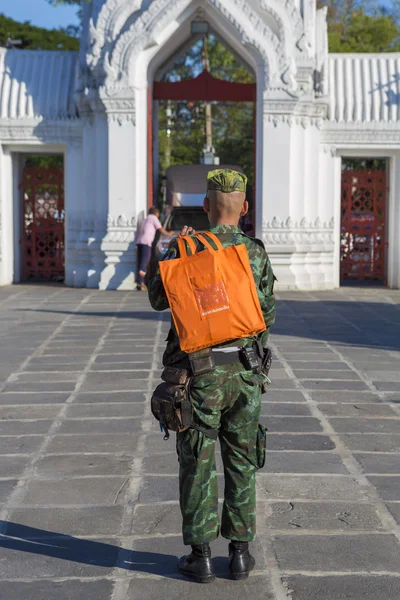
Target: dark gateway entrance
[(203, 88), (43, 218), (363, 229)]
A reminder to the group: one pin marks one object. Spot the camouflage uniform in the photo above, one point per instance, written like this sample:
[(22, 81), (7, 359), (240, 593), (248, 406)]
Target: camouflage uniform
[(227, 400)]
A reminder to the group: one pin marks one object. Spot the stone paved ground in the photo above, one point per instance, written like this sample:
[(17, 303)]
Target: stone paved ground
[(88, 488)]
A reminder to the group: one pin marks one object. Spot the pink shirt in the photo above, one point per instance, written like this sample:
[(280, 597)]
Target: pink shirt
[(148, 230)]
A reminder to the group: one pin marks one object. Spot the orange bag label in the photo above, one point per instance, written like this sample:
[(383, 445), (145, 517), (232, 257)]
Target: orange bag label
[(212, 298)]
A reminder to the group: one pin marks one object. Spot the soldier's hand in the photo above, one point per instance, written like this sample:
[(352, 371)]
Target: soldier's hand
[(188, 230)]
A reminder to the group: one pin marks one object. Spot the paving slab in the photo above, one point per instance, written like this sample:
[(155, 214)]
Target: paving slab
[(353, 397), (372, 442), (20, 444), (6, 486), (326, 516), (23, 558), (304, 462), (388, 487), (92, 443), (99, 410), (33, 398), (77, 491), (290, 424), (258, 586), (114, 425), (109, 397), (62, 590), (58, 467), (27, 426), (46, 523), (379, 463), (310, 487), (349, 587), (30, 412), (344, 553), (304, 442), (284, 409), (357, 410), (13, 466), (374, 425)]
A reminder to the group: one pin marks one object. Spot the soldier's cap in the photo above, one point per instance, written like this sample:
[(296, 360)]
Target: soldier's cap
[(226, 180)]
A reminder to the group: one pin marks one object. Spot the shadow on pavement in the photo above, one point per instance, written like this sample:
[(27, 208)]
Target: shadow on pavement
[(362, 324), (99, 554)]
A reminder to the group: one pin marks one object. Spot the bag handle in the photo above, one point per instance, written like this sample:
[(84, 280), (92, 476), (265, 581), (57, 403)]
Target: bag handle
[(182, 246), (206, 243)]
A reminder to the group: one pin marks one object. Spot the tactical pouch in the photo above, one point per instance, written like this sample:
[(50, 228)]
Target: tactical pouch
[(175, 376), (261, 445), (170, 403), (202, 362)]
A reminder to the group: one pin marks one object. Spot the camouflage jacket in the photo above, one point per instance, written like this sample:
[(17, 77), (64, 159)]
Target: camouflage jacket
[(263, 275)]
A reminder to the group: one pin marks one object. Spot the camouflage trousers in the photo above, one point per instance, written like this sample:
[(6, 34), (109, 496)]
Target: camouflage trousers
[(229, 401)]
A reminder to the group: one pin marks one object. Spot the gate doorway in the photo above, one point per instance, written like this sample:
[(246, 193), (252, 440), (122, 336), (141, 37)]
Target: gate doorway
[(363, 228), (202, 107), (43, 218)]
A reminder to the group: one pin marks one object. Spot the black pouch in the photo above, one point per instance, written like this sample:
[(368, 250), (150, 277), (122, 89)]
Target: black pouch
[(261, 445), (202, 362), (171, 406), (175, 376)]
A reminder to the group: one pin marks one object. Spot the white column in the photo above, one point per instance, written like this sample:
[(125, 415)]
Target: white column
[(75, 261), (100, 195), (298, 239), (6, 219), (118, 244)]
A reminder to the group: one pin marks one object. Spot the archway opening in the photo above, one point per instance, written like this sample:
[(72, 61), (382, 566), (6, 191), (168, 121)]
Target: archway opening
[(202, 115)]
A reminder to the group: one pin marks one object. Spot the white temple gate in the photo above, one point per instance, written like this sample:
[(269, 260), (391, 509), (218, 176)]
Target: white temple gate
[(313, 109)]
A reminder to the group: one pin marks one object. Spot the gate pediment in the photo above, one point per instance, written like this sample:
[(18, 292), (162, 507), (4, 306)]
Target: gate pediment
[(275, 32)]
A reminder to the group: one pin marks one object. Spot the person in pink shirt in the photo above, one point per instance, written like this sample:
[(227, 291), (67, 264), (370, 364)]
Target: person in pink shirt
[(144, 242)]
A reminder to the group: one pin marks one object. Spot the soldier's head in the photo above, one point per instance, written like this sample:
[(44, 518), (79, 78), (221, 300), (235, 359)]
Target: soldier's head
[(225, 202)]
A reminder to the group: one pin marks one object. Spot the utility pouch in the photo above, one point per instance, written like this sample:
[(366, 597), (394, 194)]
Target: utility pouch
[(202, 362), (261, 445), (175, 376), (171, 406), (266, 361)]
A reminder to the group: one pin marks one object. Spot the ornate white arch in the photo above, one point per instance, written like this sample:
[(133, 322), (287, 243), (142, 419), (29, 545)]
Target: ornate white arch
[(113, 48)]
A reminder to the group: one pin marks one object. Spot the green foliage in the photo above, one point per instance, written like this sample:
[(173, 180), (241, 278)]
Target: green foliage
[(362, 26), (35, 37), (47, 161), (364, 33), (182, 135)]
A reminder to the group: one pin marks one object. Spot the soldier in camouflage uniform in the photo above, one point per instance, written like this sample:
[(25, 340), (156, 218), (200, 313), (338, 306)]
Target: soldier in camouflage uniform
[(227, 400)]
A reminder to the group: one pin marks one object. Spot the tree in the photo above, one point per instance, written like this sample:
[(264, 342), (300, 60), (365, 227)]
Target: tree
[(361, 26), (35, 37), (182, 135)]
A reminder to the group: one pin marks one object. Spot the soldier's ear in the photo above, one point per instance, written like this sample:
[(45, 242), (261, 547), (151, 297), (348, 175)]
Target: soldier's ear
[(245, 209), (206, 205)]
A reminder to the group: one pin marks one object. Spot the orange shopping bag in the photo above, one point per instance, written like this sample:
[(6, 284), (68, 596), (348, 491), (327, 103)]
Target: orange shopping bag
[(212, 294)]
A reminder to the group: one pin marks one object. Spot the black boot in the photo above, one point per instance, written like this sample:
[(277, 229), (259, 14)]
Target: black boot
[(198, 565), (241, 562)]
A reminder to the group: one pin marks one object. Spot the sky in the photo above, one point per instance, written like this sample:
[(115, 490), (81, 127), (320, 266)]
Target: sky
[(40, 13)]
